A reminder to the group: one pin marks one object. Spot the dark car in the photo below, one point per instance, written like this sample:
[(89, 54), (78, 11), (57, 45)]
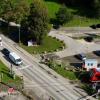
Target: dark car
[(81, 56), (97, 52), (89, 38), (93, 26), (5, 51), (98, 26)]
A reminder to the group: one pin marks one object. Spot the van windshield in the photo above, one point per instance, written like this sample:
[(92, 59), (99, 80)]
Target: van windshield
[(18, 60)]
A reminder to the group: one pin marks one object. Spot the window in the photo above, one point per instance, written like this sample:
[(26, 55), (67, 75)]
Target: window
[(88, 64), (91, 64)]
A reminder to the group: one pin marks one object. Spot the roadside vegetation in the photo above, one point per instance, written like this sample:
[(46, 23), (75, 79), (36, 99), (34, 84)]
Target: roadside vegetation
[(49, 45), (6, 78)]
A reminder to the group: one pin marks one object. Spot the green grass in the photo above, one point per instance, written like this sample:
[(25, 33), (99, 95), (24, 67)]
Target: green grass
[(82, 21), (67, 74), (53, 8), (49, 44), (7, 79)]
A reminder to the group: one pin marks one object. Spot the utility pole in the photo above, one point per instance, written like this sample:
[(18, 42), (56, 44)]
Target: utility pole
[(1, 77), (12, 73), (22, 82)]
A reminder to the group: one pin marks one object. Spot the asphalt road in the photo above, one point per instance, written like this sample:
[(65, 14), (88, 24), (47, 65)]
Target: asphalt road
[(44, 84)]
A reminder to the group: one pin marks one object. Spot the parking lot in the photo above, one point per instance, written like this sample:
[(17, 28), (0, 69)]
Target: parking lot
[(76, 61)]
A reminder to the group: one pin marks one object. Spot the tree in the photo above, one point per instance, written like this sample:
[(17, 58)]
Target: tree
[(13, 11), (63, 15), (37, 21), (96, 7)]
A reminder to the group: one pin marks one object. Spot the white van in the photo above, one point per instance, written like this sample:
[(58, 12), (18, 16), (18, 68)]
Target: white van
[(15, 58)]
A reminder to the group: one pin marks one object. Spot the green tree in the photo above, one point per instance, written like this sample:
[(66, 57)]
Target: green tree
[(63, 15), (37, 21), (96, 7), (13, 11)]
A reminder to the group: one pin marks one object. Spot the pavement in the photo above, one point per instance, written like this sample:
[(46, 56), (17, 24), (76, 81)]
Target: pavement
[(79, 30), (73, 46), (44, 82), (14, 96)]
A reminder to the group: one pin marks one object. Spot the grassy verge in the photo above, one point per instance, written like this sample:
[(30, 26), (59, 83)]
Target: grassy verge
[(49, 45), (82, 21), (67, 74), (6, 77)]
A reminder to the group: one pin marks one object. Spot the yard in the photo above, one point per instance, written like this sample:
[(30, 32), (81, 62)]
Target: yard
[(49, 45)]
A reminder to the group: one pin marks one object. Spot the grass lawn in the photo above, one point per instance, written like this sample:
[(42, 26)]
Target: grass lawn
[(53, 7), (67, 74), (82, 21), (49, 44), (7, 79)]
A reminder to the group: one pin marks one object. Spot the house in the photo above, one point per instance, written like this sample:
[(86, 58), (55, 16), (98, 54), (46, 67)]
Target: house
[(89, 64)]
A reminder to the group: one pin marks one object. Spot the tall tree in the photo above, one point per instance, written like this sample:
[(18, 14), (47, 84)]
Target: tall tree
[(63, 15), (13, 11), (37, 21), (96, 7)]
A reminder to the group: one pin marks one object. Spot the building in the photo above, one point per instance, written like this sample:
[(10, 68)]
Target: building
[(90, 64)]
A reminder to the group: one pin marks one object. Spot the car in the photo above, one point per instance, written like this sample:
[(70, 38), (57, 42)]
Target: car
[(97, 25), (15, 58), (81, 56), (89, 38), (97, 52), (93, 26), (5, 51)]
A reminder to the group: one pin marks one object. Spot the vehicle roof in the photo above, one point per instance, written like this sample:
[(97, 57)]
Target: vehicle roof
[(82, 54), (90, 60), (14, 55)]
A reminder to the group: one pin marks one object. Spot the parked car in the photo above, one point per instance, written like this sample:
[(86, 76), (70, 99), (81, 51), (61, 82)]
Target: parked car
[(93, 26), (5, 51), (81, 56), (89, 38), (97, 52), (97, 25)]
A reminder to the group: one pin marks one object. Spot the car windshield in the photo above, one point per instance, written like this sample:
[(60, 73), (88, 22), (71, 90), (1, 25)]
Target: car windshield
[(83, 55), (18, 60)]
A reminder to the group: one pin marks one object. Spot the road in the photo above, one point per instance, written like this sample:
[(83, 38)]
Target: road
[(73, 46), (44, 84)]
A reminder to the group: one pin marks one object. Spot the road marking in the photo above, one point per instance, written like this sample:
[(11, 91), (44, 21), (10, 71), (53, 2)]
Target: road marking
[(24, 67)]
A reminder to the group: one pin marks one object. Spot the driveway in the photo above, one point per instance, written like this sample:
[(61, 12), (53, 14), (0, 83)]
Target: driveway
[(73, 46)]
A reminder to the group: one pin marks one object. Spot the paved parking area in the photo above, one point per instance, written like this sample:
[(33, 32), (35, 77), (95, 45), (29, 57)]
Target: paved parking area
[(73, 46), (73, 59)]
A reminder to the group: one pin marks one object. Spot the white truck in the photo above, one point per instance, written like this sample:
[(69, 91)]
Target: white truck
[(15, 58)]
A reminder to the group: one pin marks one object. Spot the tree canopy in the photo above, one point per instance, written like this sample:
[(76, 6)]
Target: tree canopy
[(13, 11), (63, 15), (37, 21)]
